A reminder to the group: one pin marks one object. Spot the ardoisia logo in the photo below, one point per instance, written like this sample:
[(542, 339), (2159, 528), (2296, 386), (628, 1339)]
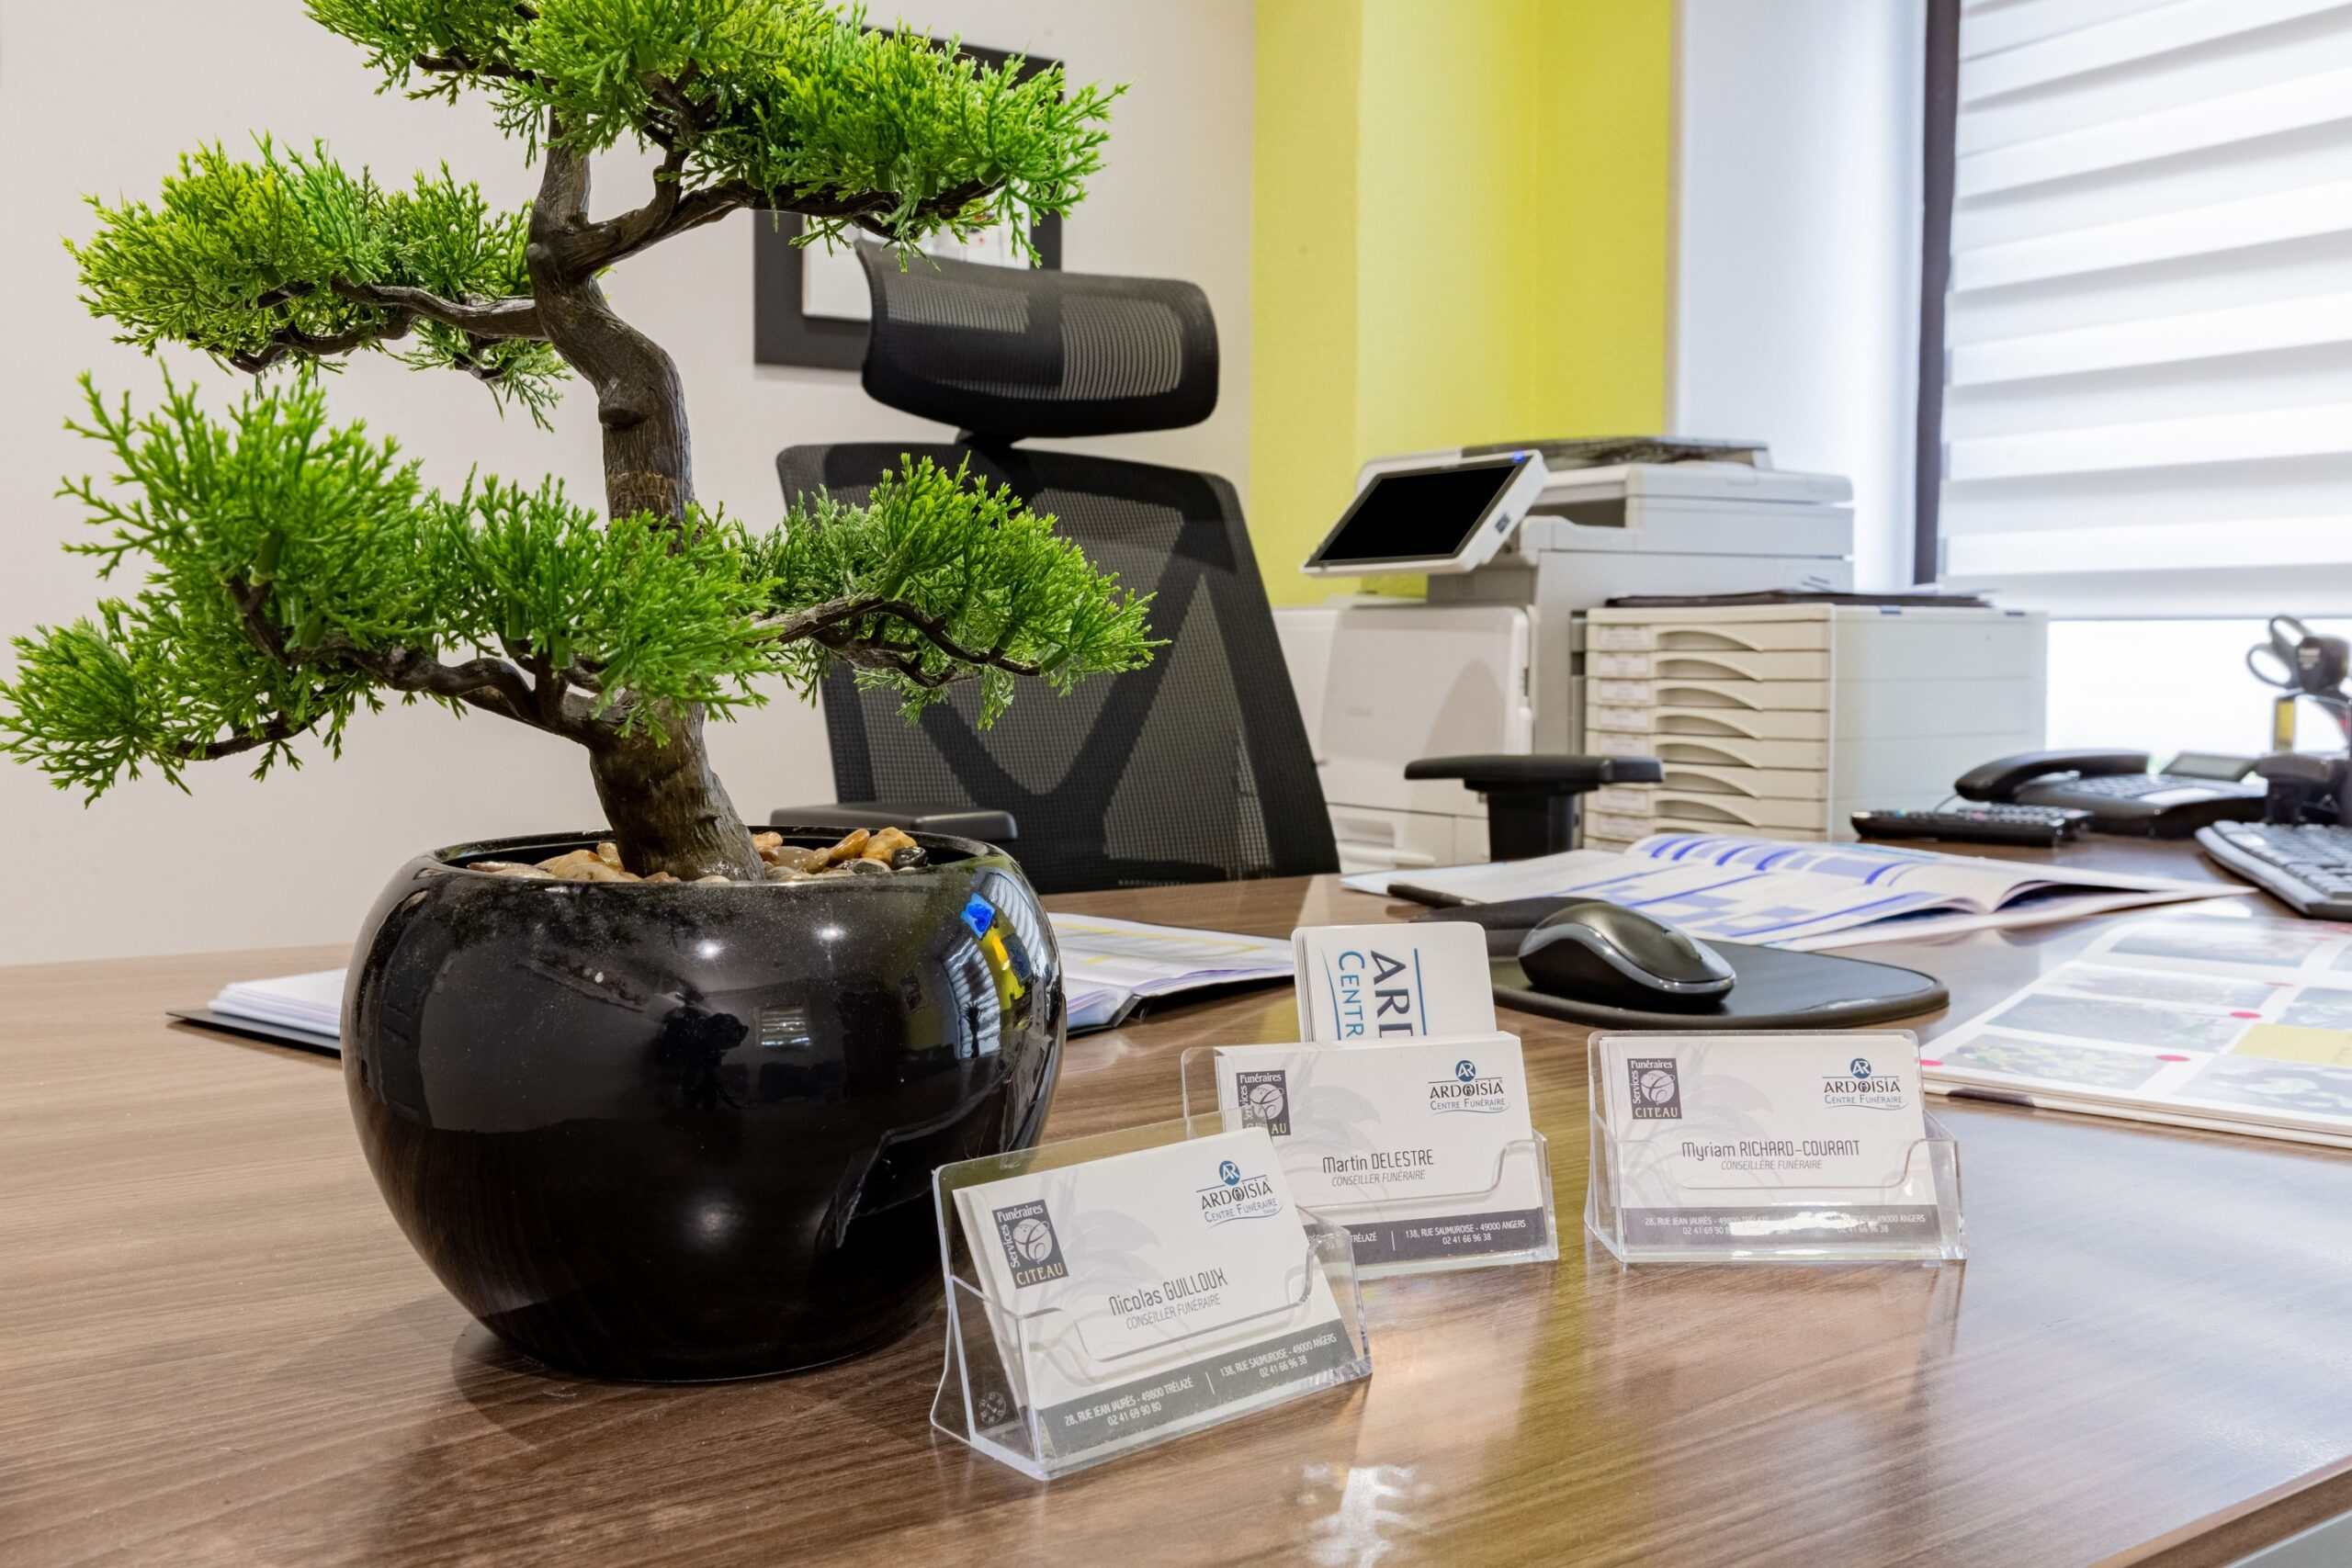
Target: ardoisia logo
[(1465, 1090), (1861, 1089), (1265, 1101), (1236, 1195), (1657, 1087), (1031, 1249)]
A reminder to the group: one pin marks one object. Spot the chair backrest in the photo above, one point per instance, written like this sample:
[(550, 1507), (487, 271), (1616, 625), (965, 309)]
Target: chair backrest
[(1195, 769)]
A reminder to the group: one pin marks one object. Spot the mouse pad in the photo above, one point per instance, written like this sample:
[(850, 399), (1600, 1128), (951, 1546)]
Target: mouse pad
[(1777, 989)]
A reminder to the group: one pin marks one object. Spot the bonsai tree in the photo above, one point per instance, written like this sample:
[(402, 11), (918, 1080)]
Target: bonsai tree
[(298, 570)]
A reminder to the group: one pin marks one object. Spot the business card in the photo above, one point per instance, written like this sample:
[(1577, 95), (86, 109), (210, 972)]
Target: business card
[(1152, 1290), (1720, 1135), (1423, 1149), (1357, 984)]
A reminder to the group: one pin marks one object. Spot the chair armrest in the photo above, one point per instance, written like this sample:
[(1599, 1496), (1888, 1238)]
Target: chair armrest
[(1531, 800), (1549, 774), (989, 825)]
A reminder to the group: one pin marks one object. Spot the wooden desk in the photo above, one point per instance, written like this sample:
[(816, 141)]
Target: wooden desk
[(215, 1347)]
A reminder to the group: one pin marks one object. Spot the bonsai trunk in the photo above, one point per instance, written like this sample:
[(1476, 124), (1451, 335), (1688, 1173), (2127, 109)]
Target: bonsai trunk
[(666, 808)]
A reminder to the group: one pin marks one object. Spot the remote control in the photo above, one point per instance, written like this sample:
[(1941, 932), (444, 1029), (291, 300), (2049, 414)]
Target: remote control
[(1979, 824)]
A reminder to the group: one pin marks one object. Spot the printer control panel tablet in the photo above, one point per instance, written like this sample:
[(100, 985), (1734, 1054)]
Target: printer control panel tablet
[(1445, 517)]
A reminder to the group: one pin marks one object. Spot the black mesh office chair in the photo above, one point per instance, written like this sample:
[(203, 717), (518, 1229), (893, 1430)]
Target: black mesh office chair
[(1196, 768)]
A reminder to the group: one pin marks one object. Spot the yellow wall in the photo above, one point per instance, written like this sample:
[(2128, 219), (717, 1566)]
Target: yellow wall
[(1459, 234), (1302, 277)]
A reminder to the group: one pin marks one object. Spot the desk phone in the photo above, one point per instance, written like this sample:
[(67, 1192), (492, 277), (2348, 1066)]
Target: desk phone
[(2122, 796)]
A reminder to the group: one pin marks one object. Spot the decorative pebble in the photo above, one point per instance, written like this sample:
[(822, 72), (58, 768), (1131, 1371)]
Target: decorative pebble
[(586, 865), (861, 852), (849, 848), (884, 844)]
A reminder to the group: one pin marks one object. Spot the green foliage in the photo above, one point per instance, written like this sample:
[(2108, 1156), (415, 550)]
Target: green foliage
[(326, 520), (792, 98), (653, 613), (295, 571), (237, 255), (993, 574)]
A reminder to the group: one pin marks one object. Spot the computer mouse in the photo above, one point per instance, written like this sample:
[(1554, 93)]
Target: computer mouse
[(1619, 957)]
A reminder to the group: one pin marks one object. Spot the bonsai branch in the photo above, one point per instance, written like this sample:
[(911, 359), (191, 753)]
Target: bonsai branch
[(483, 320), (280, 728), (631, 232), (322, 346), (834, 626), (675, 211), (477, 318), (458, 62), (494, 686)]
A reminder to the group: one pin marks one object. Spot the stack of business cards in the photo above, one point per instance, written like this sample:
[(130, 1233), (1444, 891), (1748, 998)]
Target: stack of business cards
[(1361, 984), (1719, 1138), (1147, 1292), (1424, 1149)]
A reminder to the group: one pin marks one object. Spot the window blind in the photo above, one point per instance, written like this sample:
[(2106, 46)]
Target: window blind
[(2148, 328)]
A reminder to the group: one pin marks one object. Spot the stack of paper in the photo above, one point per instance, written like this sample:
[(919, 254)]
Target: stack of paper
[(1801, 895), (1111, 967), (312, 1003), (2234, 1025)]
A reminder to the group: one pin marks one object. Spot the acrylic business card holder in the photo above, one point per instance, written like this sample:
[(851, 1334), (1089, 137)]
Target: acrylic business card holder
[(1914, 1218), (1482, 1230), (1183, 1383)]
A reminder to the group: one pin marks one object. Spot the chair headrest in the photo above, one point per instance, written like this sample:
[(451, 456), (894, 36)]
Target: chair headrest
[(1008, 351)]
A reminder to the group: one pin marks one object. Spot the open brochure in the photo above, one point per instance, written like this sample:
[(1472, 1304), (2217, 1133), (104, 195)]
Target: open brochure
[(1110, 968), (1801, 896), (2234, 1025)]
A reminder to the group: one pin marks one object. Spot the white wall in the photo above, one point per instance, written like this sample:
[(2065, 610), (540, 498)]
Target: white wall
[(101, 96), (1797, 197)]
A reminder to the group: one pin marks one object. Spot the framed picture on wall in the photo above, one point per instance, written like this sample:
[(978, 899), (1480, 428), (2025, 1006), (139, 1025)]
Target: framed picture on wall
[(810, 305)]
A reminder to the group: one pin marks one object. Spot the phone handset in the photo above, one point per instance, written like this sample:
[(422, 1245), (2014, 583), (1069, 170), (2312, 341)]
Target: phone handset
[(2000, 779)]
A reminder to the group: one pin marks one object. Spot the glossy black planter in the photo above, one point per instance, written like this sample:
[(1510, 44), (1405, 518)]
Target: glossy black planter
[(687, 1131)]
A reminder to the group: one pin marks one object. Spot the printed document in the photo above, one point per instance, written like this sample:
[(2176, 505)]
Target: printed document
[(1776, 893)]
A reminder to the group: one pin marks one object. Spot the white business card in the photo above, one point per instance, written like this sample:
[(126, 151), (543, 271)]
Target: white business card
[(1150, 1290), (1719, 1135), (1359, 984), (1423, 1149)]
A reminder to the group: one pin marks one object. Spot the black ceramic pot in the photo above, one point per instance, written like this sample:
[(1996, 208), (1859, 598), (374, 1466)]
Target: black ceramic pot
[(686, 1130)]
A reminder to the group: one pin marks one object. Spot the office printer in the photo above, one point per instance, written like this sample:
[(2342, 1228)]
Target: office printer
[(1492, 661)]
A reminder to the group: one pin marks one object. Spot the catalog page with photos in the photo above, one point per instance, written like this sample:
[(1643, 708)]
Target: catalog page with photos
[(2237, 1025)]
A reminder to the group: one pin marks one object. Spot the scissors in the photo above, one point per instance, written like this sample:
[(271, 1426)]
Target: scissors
[(2304, 665), (2287, 635)]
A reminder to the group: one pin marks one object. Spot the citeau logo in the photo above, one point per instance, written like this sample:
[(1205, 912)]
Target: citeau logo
[(1032, 1250)]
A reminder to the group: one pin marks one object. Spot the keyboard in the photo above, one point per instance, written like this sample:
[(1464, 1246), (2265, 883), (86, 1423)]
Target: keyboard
[(2307, 868)]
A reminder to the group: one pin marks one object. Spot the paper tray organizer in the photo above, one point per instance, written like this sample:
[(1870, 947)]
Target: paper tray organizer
[(1171, 1393), (1851, 1224), (1386, 1248)]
